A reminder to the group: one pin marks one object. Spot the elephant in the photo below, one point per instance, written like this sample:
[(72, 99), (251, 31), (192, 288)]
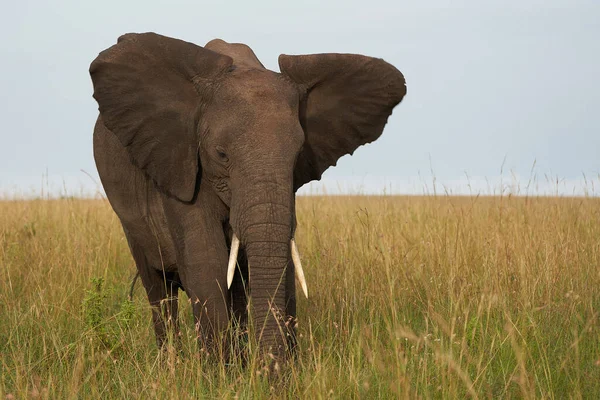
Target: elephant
[(200, 151)]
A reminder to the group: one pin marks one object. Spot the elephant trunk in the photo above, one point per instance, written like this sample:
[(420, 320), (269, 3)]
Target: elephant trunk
[(264, 224)]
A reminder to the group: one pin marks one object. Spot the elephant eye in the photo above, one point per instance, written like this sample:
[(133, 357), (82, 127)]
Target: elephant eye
[(221, 153)]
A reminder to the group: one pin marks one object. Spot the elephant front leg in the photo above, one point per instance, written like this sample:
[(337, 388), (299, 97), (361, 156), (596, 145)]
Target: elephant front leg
[(210, 305), (290, 306), (239, 292), (202, 256), (238, 297)]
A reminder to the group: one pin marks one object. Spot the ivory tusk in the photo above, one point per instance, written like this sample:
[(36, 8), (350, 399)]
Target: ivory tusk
[(235, 247), (298, 267)]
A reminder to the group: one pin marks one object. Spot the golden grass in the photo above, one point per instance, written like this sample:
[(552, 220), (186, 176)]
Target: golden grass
[(430, 297)]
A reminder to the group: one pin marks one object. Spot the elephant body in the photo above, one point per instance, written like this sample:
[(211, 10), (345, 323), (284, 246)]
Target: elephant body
[(198, 146)]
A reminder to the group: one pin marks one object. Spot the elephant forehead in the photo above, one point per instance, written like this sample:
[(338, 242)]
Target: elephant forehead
[(256, 89), (254, 103)]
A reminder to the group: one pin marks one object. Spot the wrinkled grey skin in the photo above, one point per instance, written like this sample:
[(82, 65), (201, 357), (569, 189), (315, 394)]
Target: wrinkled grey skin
[(193, 144)]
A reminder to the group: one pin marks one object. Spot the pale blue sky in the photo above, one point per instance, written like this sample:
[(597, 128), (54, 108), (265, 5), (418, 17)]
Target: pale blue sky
[(490, 84)]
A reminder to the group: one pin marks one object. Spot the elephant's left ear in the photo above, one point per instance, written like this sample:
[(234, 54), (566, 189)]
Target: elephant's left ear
[(149, 90), (348, 101)]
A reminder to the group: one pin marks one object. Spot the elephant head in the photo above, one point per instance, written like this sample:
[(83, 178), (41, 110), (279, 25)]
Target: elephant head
[(215, 119)]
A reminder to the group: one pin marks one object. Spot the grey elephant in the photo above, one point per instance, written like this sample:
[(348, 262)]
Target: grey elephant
[(201, 150)]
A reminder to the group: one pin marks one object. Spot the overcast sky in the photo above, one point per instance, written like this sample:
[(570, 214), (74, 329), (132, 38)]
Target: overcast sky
[(492, 85)]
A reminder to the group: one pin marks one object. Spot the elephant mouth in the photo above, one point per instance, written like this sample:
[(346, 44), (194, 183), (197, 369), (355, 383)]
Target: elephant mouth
[(233, 255)]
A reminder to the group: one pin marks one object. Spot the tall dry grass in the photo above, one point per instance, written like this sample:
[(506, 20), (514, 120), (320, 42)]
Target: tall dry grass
[(430, 297)]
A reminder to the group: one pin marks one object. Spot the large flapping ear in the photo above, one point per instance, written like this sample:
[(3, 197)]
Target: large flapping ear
[(348, 101), (149, 88)]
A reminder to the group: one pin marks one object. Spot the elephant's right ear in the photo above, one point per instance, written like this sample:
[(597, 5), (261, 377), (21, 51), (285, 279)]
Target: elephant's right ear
[(149, 88)]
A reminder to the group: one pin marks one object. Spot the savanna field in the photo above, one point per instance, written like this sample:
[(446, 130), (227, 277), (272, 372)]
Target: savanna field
[(410, 297)]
